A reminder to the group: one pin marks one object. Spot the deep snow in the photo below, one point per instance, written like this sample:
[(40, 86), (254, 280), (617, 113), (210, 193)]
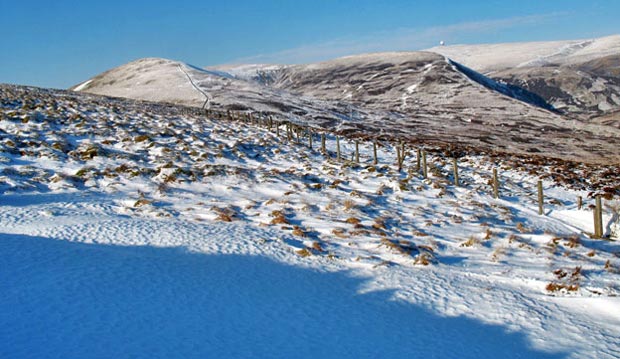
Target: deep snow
[(114, 241)]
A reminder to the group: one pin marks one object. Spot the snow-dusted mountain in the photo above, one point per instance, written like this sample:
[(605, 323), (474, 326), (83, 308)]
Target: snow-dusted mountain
[(414, 96), (581, 78)]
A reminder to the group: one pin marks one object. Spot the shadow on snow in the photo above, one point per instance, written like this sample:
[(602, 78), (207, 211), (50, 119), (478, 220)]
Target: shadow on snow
[(65, 299)]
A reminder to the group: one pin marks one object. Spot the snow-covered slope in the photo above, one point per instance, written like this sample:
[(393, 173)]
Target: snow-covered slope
[(150, 79), (134, 229), (580, 78), (487, 58), (407, 82)]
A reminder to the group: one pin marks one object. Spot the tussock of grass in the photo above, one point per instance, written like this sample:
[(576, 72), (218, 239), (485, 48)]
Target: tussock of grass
[(556, 287), (227, 214), (522, 229), (497, 253), (278, 218), (340, 232), (142, 202), (349, 205), (424, 257), (353, 220), (472, 241), (317, 247), (303, 253), (298, 231)]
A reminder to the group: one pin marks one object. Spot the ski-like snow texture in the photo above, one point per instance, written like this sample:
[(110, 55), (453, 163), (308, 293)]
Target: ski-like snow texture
[(580, 78), (373, 95), (131, 229)]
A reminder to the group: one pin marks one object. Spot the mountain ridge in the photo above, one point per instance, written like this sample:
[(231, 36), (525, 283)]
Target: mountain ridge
[(422, 95)]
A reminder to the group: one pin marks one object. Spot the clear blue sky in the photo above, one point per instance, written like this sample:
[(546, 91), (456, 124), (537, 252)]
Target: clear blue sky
[(59, 43)]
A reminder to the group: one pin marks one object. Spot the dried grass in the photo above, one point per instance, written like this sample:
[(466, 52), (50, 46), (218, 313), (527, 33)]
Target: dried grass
[(297, 231), (349, 205), (303, 253), (340, 233), (278, 218), (472, 241), (352, 220), (522, 229)]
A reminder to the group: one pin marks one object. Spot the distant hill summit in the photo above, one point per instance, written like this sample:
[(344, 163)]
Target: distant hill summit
[(581, 78)]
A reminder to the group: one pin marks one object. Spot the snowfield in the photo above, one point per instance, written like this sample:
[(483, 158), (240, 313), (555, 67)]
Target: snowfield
[(134, 229)]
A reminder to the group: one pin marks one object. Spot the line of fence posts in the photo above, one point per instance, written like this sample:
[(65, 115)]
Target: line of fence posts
[(421, 161)]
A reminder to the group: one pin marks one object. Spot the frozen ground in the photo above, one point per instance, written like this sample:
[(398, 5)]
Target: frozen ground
[(130, 229)]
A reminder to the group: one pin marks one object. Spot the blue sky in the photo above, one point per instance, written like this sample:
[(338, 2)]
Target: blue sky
[(61, 43)]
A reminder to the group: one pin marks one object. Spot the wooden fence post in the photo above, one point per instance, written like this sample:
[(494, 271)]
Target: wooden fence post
[(398, 162), (402, 155), (357, 151), (323, 149), (455, 168), (541, 198), (598, 218), (418, 158), (338, 148), (374, 151), (579, 202), (310, 137), (495, 184), (424, 167), (278, 129)]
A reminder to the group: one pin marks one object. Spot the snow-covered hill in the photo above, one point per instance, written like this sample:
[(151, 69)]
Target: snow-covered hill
[(135, 228), (488, 58), (412, 96), (581, 78)]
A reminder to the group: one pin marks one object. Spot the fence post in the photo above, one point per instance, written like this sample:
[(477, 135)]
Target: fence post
[(495, 184), (338, 148), (323, 143), (402, 155), (424, 167), (374, 151), (418, 158), (310, 137), (357, 151), (278, 129), (455, 168), (398, 158), (598, 218), (541, 198), (579, 202)]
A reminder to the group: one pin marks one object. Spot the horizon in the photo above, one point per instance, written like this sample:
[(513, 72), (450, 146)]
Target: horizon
[(62, 44)]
